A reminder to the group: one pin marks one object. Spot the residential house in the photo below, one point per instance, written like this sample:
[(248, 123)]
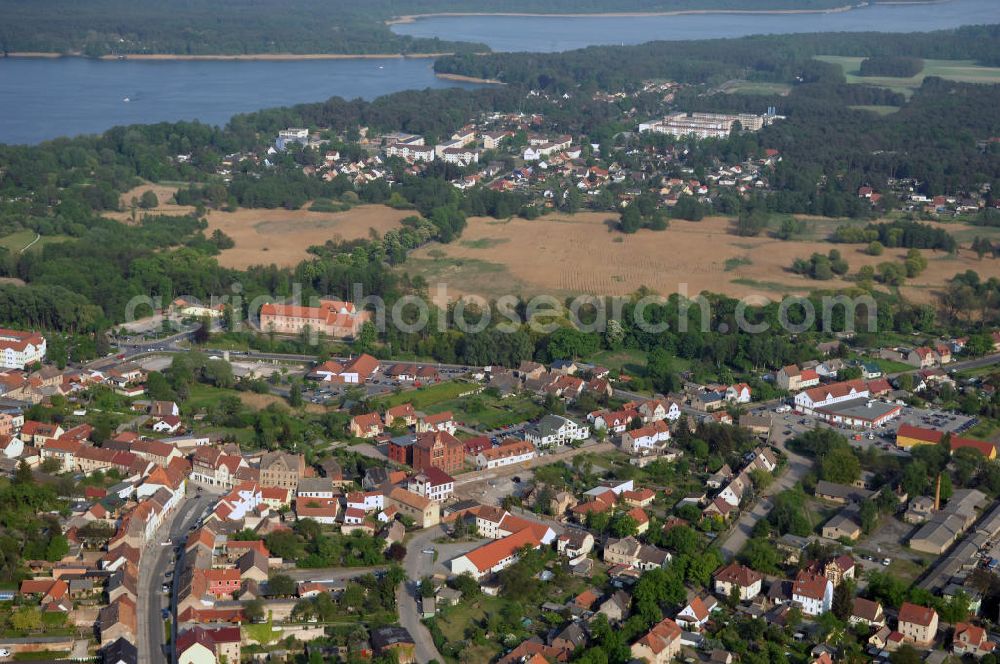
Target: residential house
[(631, 552), (866, 612), (403, 414), (575, 543), (971, 640), (918, 624), (696, 613), (436, 422), (660, 645), (646, 439), (433, 483), (793, 379), (814, 592), (556, 430), (496, 555), (747, 581), (510, 452), (616, 607), (282, 469), (367, 425), (423, 511)]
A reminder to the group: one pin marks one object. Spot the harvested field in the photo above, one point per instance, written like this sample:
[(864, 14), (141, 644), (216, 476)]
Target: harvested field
[(564, 255), (282, 236), (277, 236), (262, 401)]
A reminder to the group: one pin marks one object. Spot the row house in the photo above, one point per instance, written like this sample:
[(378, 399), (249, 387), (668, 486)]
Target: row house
[(212, 467), (508, 453)]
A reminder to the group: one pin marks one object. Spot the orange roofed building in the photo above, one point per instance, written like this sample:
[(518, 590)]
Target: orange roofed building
[(332, 318)]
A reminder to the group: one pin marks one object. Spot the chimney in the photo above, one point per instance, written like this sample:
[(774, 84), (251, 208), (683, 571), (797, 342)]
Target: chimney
[(937, 494)]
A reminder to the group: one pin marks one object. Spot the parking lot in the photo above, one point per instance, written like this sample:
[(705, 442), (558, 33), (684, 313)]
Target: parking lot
[(379, 385), (788, 425)]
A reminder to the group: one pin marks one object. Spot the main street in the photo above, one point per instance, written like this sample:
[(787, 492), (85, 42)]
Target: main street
[(152, 570)]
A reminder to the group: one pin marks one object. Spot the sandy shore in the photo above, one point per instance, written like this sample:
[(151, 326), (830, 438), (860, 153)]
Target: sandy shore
[(274, 57), (469, 79), (410, 18)]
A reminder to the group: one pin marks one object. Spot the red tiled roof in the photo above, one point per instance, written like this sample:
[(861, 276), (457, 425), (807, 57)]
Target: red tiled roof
[(488, 555), (919, 433), (739, 574), (916, 614), (809, 584)]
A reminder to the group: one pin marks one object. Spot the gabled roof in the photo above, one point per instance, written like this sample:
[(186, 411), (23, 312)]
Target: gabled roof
[(916, 614), (810, 585), (488, 555)]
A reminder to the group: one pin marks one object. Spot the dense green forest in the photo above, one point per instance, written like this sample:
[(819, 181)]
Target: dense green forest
[(191, 27), (887, 65), (777, 58)]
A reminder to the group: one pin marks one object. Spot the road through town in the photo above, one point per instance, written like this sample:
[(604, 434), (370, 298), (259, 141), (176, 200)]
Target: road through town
[(152, 570)]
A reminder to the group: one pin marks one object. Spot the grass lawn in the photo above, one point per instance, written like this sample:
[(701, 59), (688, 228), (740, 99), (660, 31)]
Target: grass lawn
[(984, 430), (965, 71), (261, 633), (494, 413), (905, 569), (455, 622), (15, 242), (424, 398), (891, 366), (631, 360), (202, 395)]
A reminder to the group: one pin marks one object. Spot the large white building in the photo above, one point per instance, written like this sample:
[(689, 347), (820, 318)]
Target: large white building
[(707, 125), (556, 430), (812, 399), (19, 349)]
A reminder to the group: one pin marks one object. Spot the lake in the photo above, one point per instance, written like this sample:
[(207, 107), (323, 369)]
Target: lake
[(548, 34), (46, 98)]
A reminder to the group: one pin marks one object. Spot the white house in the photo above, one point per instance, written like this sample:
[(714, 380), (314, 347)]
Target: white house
[(646, 439), (814, 592), (433, 483), (556, 430), (18, 349), (508, 453), (658, 409), (367, 501), (11, 446)]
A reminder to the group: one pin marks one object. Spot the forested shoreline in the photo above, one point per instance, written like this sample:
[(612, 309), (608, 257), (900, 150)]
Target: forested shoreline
[(200, 27)]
